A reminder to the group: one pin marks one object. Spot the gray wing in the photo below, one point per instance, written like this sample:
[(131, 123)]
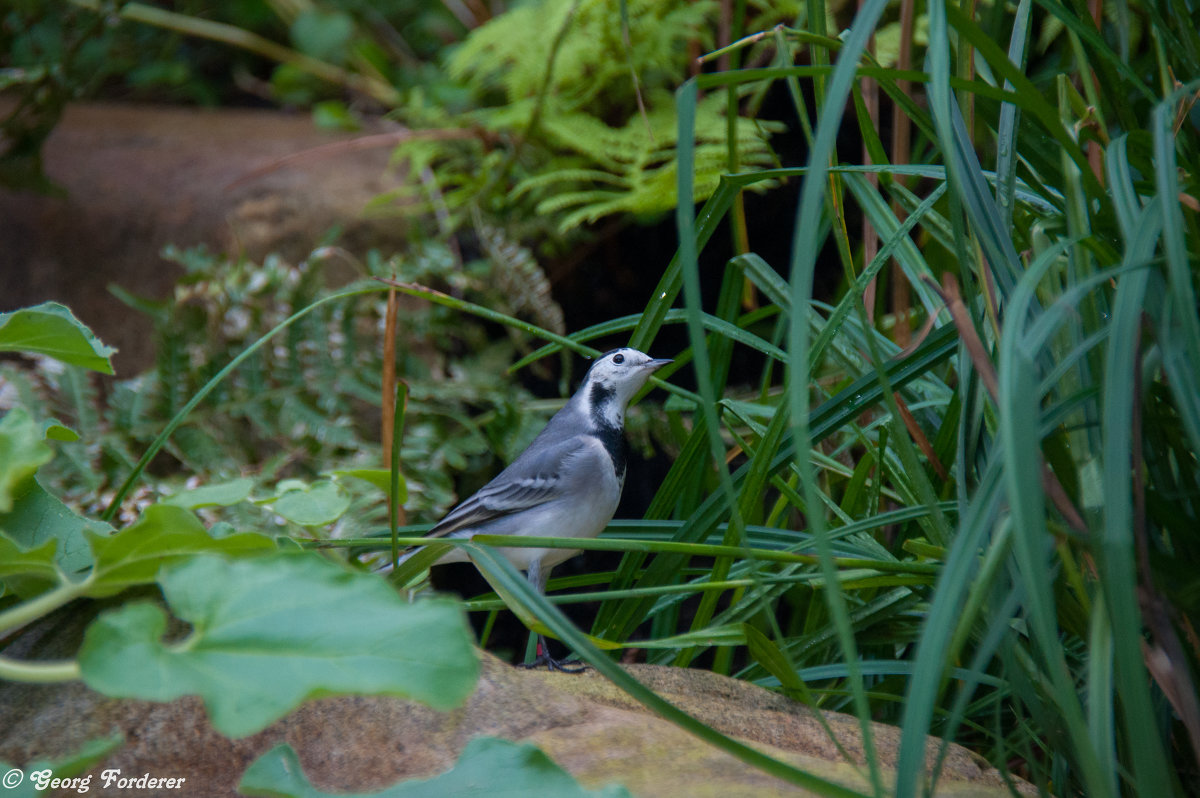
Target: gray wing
[(528, 482)]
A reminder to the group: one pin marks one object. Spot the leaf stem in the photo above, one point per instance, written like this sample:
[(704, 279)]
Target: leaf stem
[(66, 670), (47, 602)]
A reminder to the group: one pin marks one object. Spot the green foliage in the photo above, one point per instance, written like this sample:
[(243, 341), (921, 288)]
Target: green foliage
[(325, 35), (269, 628), (164, 535), (22, 453), (1072, 333), (271, 631), (49, 54), (52, 330), (584, 114), (988, 533), (319, 504), (221, 494), (41, 522), (631, 170), (507, 768), (983, 535), (576, 52), (557, 114), (521, 283), (304, 409)]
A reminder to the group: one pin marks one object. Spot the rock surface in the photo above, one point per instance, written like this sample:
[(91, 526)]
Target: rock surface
[(138, 178), (583, 722)]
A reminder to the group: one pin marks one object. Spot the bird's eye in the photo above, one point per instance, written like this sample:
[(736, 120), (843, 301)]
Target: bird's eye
[(618, 359)]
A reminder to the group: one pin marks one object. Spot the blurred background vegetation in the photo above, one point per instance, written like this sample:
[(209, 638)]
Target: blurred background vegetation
[(965, 469)]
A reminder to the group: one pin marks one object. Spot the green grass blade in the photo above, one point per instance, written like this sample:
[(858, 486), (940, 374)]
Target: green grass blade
[(1018, 408), (1117, 549), (685, 222), (1182, 346), (505, 578), (805, 248), (1010, 114), (156, 445), (929, 670)]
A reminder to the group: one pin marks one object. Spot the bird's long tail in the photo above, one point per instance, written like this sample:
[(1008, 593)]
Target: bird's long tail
[(381, 561)]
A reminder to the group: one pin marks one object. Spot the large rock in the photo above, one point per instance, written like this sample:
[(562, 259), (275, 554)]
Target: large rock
[(138, 178), (583, 722)]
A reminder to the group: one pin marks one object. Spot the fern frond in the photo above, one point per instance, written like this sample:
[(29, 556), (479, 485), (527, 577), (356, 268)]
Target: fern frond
[(559, 175), (577, 129), (519, 278), (510, 53), (638, 162)]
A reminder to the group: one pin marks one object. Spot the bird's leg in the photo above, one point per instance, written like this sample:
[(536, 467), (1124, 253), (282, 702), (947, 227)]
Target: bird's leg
[(537, 578)]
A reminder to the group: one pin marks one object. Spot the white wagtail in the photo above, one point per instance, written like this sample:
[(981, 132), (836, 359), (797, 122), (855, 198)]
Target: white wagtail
[(566, 484)]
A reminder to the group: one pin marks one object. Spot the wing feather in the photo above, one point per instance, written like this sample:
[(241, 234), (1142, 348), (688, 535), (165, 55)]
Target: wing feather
[(527, 483)]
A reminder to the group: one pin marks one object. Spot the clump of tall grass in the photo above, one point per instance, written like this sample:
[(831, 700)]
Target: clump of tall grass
[(988, 531)]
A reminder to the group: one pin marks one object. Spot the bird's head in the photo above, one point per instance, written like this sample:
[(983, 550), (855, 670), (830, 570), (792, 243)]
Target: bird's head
[(613, 380)]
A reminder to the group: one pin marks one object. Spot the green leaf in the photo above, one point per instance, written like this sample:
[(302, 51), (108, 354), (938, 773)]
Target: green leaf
[(315, 505), (291, 84), (23, 451), (163, 535), (54, 430), (221, 494), (323, 34), (27, 571), (379, 477), (773, 660), (520, 770), (334, 115), (38, 516), (270, 632), (51, 329)]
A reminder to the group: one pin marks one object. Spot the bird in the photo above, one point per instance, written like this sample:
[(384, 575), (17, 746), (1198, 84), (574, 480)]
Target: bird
[(567, 483)]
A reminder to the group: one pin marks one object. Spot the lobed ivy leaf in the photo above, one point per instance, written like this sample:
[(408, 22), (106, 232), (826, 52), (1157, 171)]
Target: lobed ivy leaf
[(51, 329), (487, 766), (163, 535), (270, 632)]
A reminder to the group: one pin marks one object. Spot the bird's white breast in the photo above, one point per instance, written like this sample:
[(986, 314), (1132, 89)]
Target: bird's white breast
[(589, 502)]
